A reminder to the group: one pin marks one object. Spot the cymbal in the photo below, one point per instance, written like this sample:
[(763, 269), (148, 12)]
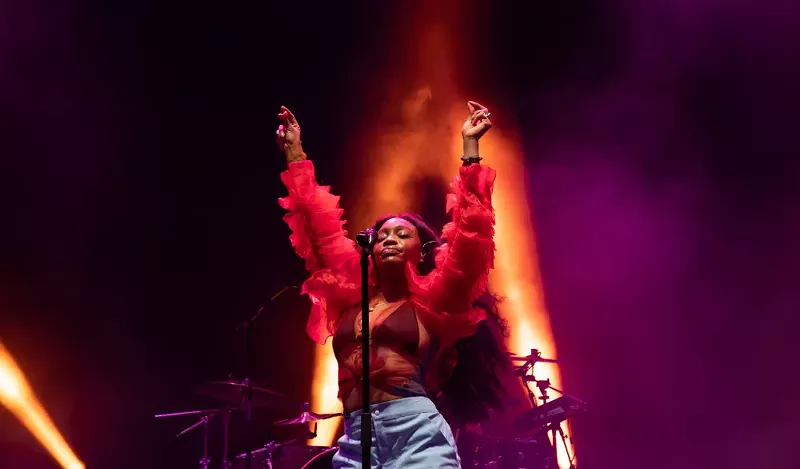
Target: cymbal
[(190, 412), (537, 359), (306, 417), (233, 392)]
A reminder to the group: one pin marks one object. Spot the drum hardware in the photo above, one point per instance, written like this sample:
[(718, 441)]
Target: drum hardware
[(323, 460), (205, 461), (554, 412), (246, 384), (270, 448), (535, 356), (207, 416), (234, 392), (304, 418), (190, 412), (244, 394), (527, 367), (481, 452), (240, 395), (548, 414), (307, 417)]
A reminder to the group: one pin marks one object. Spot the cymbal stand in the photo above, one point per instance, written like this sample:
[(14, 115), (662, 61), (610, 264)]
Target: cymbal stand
[(226, 427), (247, 394), (205, 461), (523, 370), (273, 446), (543, 385)]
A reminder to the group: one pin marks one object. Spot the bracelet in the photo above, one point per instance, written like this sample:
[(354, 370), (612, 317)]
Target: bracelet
[(468, 160)]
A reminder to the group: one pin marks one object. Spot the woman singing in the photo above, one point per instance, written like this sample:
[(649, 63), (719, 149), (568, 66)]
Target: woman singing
[(428, 301)]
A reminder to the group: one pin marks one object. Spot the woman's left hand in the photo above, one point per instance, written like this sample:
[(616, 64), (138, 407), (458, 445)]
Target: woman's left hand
[(477, 122)]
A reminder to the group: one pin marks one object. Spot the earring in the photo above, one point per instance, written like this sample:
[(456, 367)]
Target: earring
[(429, 249)]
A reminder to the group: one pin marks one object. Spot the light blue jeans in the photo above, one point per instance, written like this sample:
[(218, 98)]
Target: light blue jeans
[(407, 433)]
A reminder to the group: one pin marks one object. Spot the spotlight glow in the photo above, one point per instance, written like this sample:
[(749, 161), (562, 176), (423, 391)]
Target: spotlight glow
[(17, 396), (324, 394), (516, 275), (414, 147)]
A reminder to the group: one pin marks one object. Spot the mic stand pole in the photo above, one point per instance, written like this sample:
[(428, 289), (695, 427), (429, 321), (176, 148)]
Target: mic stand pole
[(364, 240)]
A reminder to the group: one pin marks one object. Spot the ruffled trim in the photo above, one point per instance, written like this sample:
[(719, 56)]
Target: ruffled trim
[(318, 236), (331, 292), (445, 296)]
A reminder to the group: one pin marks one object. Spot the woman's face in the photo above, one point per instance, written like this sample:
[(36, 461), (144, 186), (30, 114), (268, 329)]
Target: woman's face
[(396, 243)]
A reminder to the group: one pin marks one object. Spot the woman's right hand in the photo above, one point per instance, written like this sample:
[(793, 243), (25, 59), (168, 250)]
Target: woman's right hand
[(288, 136)]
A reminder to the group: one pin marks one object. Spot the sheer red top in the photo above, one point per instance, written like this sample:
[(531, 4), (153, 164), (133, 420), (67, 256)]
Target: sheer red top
[(442, 300)]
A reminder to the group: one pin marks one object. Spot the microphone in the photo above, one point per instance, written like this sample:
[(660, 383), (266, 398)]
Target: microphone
[(366, 238)]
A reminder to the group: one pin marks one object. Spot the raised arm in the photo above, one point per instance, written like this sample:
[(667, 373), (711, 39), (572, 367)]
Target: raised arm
[(318, 236), (463, 263)]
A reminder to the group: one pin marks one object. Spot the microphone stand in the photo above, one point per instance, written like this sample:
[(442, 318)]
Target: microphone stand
[(247, 397), (365, 239)]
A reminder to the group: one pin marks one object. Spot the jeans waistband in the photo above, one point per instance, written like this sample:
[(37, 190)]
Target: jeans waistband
[(393, 409)]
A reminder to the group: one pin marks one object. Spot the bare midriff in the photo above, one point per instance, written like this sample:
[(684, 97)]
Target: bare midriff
[(391, 364)]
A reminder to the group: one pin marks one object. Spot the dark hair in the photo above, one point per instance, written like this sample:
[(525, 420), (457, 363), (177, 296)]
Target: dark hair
[(473, 387), (427, 238)]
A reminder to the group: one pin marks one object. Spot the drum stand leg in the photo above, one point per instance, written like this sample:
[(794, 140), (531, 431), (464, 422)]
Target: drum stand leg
[(205, 461), (556, 430), (204, 421), (226, 423), (270, 449)]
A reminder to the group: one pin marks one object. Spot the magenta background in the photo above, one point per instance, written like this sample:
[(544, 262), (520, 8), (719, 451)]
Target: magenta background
[(139, 222)]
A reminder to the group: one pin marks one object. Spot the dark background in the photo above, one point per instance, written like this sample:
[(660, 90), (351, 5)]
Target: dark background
[(139, 181)]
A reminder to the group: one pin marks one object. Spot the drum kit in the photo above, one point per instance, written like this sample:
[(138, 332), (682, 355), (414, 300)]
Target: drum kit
[(543, 421), (290, 453), (240, 397)]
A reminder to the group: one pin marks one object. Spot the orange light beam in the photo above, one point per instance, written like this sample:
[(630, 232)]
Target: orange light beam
[(413, 148), (516, 275), (324, 394), (17, 396)]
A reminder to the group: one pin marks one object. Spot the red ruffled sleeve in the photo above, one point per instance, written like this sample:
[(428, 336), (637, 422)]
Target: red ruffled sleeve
[(318, 236), (463, 263)]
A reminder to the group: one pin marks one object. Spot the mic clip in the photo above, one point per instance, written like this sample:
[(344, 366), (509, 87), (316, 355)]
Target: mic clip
[(366, 238)]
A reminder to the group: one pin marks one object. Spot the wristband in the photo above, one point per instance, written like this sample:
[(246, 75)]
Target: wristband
[(468, 160)]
